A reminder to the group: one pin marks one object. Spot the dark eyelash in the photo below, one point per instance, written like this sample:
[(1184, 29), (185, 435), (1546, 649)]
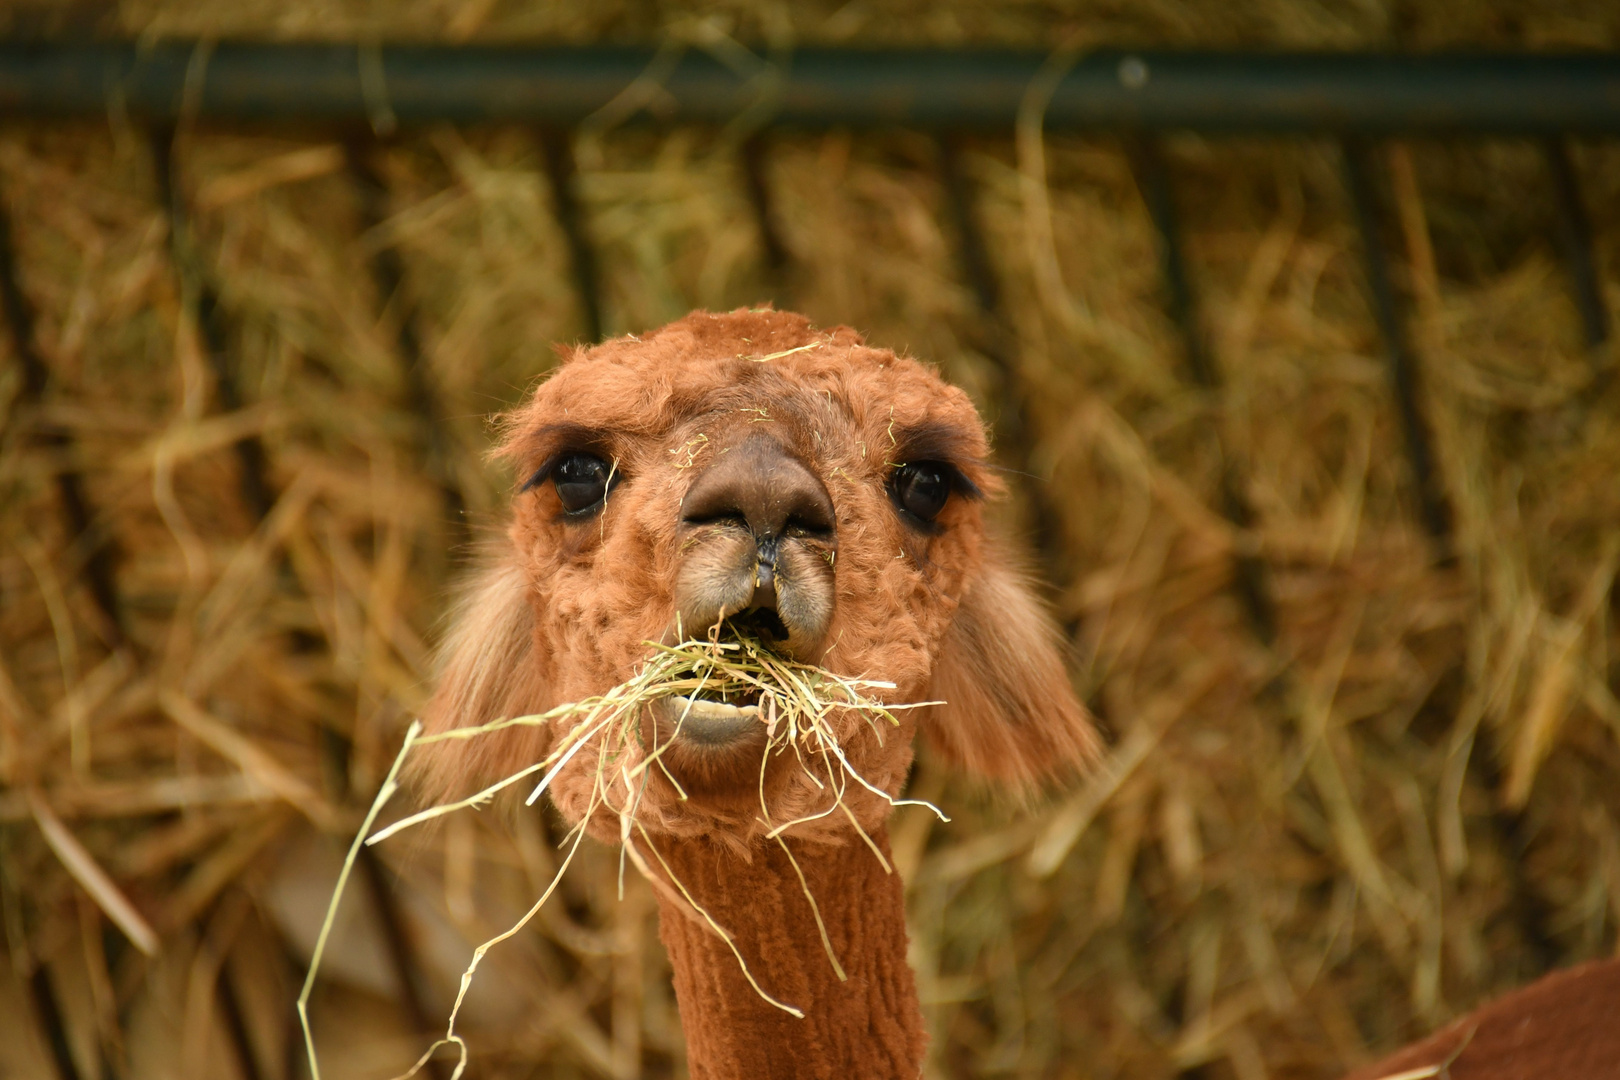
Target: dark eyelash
[(543, 472), (567, 438), (960, 484)]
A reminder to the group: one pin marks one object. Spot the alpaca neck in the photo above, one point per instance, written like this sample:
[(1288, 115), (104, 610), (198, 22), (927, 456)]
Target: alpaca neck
[(869, 1026)]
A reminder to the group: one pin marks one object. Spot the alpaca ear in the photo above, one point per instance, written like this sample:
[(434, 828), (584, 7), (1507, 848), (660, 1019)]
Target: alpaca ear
[(487, 671), (1009, 712)]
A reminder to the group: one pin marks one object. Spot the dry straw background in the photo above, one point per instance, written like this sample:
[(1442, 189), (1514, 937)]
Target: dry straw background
[(1296, 855)]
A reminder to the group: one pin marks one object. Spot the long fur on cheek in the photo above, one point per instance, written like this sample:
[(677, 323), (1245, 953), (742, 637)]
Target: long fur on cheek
[(1009, 713), (488, 670)]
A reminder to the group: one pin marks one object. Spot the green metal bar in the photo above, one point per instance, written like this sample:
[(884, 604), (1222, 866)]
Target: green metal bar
[(1250, 579), (1404, 376), (931, 89)]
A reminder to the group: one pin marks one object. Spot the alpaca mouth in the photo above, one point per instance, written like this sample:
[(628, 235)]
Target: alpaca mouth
[(762, 624), (723, 719), (706, 722)]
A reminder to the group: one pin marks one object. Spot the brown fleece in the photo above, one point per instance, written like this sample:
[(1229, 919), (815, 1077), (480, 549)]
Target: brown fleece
[(1564, 1026), (869, 1027)]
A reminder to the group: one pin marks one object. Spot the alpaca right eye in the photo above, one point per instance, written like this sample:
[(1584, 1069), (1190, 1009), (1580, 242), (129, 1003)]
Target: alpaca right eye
[(921, 489), (582, 481)]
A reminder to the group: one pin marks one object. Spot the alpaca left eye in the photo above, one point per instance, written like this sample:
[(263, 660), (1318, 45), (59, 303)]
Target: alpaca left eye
[(921, 489), (581, 480)]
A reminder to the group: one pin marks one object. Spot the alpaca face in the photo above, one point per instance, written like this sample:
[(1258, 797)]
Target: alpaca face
[(746, 469)]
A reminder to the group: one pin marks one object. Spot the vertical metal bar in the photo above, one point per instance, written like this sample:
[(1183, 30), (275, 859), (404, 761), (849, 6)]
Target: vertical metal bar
[(996, 341), (1574, 235), (1513, 833), (973, 256), (84, 533), (996, 338), (257, 491), (230, 1007), (1403, 362), (374, 881), (1512, 830), (557, 147), (1153, 176), (1249, 570), (398, 945), (778, 260), (50, 1017), (20, 317), (388, 275)]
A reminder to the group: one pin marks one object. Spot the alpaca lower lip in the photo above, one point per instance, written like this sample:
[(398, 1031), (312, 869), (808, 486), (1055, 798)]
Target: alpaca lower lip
[(710, 723)]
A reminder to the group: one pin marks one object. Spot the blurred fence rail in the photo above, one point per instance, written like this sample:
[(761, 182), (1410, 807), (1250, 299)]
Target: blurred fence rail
[(929, 89)]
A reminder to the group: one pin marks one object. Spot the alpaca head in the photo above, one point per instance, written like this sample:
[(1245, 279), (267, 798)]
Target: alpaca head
[(748, 470)]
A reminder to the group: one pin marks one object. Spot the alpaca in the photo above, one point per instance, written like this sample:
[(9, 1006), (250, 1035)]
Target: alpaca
[(749, 469), (1564, 1025)]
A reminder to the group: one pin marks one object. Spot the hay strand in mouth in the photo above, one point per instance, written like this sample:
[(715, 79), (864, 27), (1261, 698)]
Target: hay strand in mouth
[(796, 703)]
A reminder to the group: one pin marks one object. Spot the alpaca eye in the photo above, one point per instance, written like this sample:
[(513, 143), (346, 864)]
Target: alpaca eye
[(581, 480), (921, 489)]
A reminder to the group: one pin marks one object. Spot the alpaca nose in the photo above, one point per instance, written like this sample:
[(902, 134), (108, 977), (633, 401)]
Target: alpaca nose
[(771, 558), (762, 487)]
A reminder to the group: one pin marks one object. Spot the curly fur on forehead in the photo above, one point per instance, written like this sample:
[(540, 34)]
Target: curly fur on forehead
[(708, 365), (568, 606)]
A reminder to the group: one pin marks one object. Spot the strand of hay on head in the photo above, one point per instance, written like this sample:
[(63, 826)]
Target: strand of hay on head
[(796, 704)]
